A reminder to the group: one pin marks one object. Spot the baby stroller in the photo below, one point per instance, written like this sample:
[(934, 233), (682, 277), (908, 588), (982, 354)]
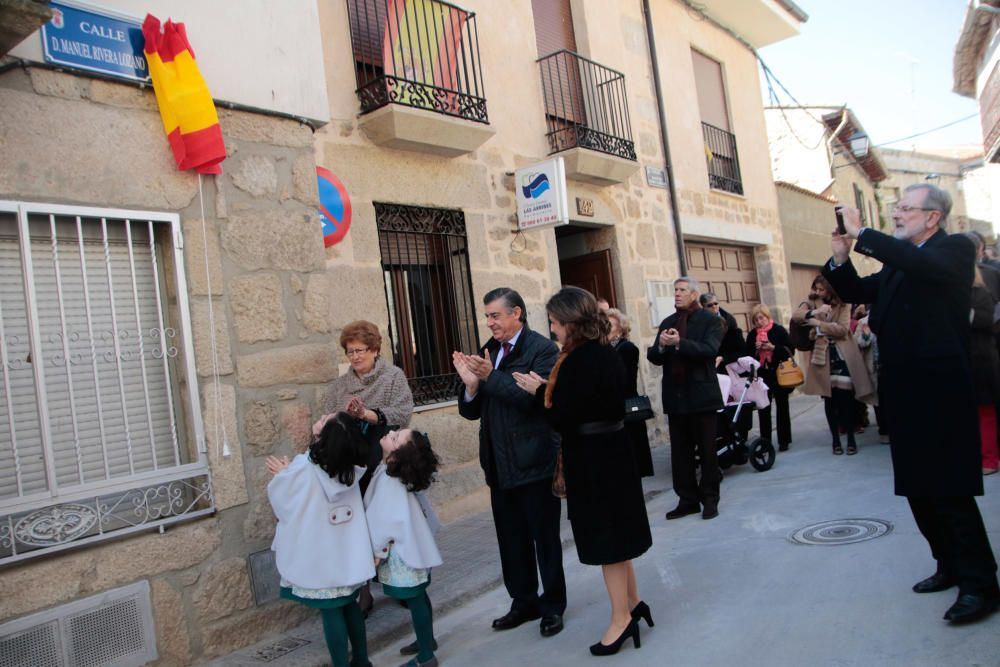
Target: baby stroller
[(735, 419)]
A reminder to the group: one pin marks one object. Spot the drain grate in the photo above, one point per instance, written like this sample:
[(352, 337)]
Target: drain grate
[(841, 531), (278, 649)]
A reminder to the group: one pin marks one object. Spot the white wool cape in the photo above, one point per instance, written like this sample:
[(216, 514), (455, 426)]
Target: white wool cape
[(311, 551), (396, 522)]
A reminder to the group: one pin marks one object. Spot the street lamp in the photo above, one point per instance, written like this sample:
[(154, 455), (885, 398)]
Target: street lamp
[(859, 144)]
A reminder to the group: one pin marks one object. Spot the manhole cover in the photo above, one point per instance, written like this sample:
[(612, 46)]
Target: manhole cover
[(841, 531)]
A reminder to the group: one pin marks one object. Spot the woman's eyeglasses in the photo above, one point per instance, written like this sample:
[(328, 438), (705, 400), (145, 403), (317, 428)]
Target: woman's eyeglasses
[(354, 353)]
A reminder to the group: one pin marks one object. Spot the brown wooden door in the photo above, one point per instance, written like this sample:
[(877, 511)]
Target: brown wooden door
[(728, 271), (593, 273)]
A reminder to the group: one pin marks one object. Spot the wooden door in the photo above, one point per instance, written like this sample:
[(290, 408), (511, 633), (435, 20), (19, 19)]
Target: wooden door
[(593, 273), (728, 271)]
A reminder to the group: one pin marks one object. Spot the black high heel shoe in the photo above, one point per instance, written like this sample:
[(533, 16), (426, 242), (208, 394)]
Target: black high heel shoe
[(642, 611), (632, 630)]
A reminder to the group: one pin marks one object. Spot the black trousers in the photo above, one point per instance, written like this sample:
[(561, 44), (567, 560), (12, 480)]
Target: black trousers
[(690, 434), (954, 529), (527, 523), (780, 398)]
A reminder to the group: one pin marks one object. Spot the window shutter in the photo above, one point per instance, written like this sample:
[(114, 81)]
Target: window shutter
[(110, 416)]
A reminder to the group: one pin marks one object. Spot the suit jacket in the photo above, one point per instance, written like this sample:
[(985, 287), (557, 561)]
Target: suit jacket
[(516, 444), (921, 301), (699, 391)]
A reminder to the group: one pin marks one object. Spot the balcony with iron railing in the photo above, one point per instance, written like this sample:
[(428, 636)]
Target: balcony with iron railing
[(723, 160), (419, 75), (587, 120)]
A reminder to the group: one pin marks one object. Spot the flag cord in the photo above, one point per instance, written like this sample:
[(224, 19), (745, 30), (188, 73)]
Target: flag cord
[(220, 422)]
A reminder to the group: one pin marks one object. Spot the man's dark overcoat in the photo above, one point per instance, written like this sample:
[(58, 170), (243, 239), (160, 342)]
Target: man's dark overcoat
[(699, 391), (920, 314), (516, 443)]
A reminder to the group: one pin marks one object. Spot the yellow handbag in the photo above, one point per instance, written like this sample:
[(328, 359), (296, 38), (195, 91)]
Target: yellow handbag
[(789, 374)]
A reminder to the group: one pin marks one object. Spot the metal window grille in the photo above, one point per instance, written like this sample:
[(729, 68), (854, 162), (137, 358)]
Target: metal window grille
[(428, 288), (95, 348), (723, 160), (585, 105), (420, 53)]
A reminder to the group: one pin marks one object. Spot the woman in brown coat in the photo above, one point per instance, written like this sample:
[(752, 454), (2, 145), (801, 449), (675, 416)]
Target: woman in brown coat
[(836, 370)]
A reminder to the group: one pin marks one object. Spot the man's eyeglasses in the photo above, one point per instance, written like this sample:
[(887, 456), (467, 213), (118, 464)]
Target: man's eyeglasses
[(906, 209), (354, 353), (714, 304)]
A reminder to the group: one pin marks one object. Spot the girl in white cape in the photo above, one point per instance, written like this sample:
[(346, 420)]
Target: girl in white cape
[(401, 539), (322, 546)]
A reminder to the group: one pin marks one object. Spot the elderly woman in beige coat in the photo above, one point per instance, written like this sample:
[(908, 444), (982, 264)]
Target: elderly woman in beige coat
[(836, 369)]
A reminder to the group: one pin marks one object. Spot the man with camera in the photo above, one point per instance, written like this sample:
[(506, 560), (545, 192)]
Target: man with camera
[(920, 314)]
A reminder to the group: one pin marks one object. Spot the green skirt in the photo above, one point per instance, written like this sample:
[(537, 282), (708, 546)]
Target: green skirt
[(320, 603)]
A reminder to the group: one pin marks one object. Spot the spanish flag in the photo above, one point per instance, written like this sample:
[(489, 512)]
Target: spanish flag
[(186, 106)]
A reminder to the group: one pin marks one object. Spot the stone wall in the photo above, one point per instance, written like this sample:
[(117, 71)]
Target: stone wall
[(265, 279)]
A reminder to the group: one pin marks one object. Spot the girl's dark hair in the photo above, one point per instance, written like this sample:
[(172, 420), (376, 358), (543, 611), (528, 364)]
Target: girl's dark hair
[(577, 310), (414, 463), (339, 447)]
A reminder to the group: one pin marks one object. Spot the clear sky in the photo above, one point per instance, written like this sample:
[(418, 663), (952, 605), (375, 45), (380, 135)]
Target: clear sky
[(890, 61)]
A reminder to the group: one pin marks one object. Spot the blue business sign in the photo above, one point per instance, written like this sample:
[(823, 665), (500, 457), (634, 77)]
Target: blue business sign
[(96, 40)]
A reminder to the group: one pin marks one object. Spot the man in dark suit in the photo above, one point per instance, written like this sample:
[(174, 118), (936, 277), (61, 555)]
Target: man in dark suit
[(517, 451), (686, 346), (920, 314)]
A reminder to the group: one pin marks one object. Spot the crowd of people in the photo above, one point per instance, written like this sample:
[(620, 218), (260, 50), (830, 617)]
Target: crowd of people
[(553, 425)]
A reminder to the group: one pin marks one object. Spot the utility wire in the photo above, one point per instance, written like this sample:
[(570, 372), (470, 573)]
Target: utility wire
[(935, 129)]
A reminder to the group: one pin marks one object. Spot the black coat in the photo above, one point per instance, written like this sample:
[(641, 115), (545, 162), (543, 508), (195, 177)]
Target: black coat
[(777, 336), (637, 433), (699, 391), (731, 347), (604, 498), (516, 444), (985, 361), (920, 314)]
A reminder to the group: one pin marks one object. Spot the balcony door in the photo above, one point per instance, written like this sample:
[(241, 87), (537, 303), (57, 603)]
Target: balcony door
[(562, 87)]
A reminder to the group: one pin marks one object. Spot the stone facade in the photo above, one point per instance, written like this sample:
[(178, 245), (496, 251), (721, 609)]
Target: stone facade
[(265, 276), (268, 302)]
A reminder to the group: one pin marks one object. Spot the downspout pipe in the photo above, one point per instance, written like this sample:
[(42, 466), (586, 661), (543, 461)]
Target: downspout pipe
[(664, 140)]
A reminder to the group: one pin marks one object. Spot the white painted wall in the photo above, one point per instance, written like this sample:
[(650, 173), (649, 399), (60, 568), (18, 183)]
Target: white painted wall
[(257, 53), (797, 143)]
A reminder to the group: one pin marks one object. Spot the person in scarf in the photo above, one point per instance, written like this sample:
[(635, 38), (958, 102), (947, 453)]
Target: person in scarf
[(584, 401), (686, 345), (768, 343), (836, 370)]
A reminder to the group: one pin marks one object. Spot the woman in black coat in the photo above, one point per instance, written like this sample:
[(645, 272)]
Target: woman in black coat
[(984, 370), (768, 343), (629, 354), (584, 400)]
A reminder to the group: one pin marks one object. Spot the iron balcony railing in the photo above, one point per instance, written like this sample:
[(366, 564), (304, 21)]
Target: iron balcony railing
[(723, 161), (585, 105), (419, 53)]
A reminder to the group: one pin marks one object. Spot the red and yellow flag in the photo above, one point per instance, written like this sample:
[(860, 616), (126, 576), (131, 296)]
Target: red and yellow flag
[(186, 106)]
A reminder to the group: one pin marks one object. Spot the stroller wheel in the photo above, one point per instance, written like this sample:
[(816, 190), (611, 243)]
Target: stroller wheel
[(761, 454)]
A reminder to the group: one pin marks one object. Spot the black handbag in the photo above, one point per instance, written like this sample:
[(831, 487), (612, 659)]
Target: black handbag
[(638, 409)]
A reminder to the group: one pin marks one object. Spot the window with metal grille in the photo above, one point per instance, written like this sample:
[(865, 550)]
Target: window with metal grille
[(428, 290), (95, 348)]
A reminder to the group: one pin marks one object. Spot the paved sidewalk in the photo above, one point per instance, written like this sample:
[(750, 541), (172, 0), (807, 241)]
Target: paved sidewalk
[(733, 591)]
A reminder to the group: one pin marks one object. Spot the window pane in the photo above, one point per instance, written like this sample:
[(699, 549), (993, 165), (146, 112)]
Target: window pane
[(425, 265)]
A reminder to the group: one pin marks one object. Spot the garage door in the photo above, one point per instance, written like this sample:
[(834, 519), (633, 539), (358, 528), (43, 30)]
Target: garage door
[(728, 271)]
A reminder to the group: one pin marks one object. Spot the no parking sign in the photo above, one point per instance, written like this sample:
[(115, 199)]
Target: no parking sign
[(334, 207)]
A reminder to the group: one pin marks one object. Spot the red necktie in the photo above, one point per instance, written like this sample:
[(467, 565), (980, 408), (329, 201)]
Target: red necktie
[(506, 350)]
